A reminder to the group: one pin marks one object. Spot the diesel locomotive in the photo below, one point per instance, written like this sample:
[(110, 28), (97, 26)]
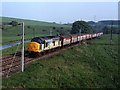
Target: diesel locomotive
[(42, 44)]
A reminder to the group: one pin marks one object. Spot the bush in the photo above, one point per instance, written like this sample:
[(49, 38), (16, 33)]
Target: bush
[(14, 23), (84, 26)]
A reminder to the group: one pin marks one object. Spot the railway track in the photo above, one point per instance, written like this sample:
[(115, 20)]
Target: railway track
[(11, 65)]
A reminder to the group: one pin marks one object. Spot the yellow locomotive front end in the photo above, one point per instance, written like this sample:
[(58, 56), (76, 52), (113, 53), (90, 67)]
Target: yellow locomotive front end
[(39, 45), (33, 47)]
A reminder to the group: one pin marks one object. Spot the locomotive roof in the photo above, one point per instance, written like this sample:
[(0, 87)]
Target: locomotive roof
[(47, 38)]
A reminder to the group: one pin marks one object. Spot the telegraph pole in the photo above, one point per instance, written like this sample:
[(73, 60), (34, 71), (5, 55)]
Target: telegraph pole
[(22, 52), (91, 35), (80, 36), (111, 34)]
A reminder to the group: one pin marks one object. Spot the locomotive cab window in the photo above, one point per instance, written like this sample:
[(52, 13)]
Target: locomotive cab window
[(40, 46), (36, 40)]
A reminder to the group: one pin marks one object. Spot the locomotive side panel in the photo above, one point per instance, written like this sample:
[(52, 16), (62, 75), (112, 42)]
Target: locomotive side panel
[(52, 44)]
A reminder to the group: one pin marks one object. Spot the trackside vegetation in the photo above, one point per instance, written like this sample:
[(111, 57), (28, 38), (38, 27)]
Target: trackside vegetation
[(92, 65)]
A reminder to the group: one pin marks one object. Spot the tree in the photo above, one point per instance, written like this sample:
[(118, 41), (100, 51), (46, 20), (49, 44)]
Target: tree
[(105, 30), (28, 26), (84, 26), (115, 30), (61, 27), (54, 27), (14, 23), (43, 30)]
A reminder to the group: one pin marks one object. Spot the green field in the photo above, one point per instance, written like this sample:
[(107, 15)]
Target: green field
[(33, 28), (93, 65), (31, 22)]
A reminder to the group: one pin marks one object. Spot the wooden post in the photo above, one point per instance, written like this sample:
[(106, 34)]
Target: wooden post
[(22, 52), (80, 36), (91, 36), (111, 34)]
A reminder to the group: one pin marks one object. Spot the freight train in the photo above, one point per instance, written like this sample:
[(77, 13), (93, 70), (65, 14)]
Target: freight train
[(42, 44)]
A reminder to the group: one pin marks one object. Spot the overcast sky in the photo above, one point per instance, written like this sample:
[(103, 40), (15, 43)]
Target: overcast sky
[(63, 12)]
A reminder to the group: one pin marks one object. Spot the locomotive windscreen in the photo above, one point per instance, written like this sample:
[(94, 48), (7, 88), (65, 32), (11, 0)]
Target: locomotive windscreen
[(36, 40)]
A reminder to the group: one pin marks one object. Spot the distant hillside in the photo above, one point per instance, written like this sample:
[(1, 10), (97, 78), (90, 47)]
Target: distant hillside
[(108, 22), (30, 22), (105, 26), (104, 22), (11, 32)]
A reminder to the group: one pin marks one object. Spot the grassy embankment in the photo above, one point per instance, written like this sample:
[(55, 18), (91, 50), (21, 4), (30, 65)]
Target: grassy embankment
[(92, 65), (14, 49), (11, 34)]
